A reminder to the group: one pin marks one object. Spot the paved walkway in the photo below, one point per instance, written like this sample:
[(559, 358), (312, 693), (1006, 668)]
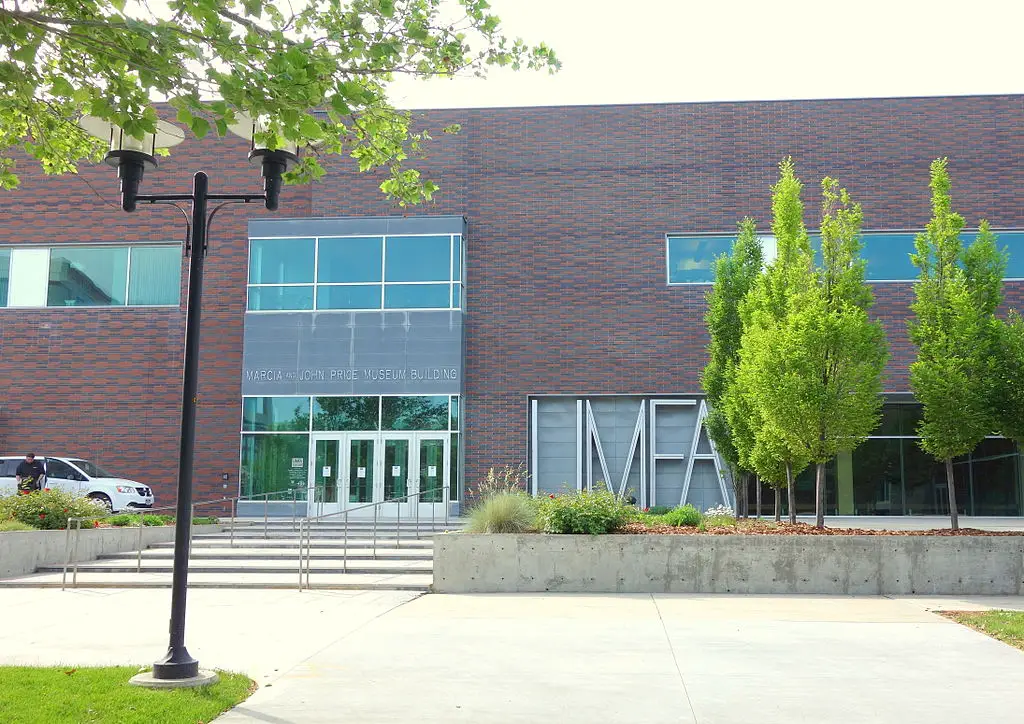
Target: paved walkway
[(338, 656)]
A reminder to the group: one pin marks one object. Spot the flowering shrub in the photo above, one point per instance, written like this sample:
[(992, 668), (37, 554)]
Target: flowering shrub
[(720, 515), (49, 509), (589, 511), (507, 479)]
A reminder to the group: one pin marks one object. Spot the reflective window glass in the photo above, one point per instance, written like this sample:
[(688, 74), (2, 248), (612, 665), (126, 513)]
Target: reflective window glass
[(995, 475), (455, 489), (281, 261), (888, 256), (155, 276), (417, 258), (416, 296), (455, 413), (5, 274), (349, 259), (457, 258), (275, 464), (87, 276), (274, 414), (691, 259), (346, 413), (414, 413), (360, 296), (280, 298)]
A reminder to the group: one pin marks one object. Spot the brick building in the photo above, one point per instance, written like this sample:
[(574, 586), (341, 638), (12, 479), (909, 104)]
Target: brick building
[(546, 309)]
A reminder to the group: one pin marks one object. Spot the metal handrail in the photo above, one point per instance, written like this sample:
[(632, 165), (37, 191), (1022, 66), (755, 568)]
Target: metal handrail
[(306, 523)]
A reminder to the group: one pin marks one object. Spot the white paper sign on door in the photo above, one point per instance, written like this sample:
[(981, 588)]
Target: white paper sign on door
[(297, 462), (396, 471), (360, 472), (326, 471), (431, 471)]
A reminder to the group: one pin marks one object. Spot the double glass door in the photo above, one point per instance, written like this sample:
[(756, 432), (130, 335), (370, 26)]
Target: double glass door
[(401, 470)]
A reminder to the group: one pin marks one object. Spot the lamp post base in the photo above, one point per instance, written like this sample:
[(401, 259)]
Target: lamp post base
[(147, 680)]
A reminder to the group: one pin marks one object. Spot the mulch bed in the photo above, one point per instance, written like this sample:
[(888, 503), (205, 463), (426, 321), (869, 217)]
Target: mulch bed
[(762, 527)]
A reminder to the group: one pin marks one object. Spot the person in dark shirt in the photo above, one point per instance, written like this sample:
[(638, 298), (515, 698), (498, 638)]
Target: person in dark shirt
[(29, 475)]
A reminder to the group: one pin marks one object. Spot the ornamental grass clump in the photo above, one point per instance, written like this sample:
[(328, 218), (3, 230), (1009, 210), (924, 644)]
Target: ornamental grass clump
[(589, 512), (685, 515), (504, 512)]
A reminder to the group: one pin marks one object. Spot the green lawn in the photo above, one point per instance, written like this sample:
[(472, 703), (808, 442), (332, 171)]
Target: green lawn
[(88, 695), (1007, 626)]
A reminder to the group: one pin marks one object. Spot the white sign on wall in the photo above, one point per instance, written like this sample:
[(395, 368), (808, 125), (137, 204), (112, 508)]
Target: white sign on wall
[(396, 471), (360, 472)]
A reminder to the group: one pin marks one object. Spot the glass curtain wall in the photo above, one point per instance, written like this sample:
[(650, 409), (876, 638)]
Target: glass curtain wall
[(276, 433), (889, 474)]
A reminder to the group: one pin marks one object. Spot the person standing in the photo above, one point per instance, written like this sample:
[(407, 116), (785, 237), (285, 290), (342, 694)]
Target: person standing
[(29, 475)]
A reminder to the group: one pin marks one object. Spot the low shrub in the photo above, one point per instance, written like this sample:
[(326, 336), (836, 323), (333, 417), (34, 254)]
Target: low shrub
[(719, 517), (590, 511), (685, 515), (204, 520), (507, 512), (10, 525), (49, 509), (658, 510), (133, 520)]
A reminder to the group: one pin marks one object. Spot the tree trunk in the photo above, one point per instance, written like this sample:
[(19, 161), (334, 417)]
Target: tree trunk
[(778, 505), (819, 496), (757, 481), (790, 492), (744, 512), (954, 516)]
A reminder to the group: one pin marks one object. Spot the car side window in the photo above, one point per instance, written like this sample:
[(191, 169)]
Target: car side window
[(59, 470)]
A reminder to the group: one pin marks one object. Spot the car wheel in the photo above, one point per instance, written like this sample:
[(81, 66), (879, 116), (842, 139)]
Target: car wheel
[(102, 500)]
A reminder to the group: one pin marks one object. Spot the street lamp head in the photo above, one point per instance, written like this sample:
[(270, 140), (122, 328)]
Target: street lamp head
[(274, 162), (131, 156)]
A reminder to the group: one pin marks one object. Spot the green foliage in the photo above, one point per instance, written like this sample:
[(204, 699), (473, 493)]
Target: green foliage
[(1007, 382), (503, 512), (954, 328), (104, 696), (656, 510), (13, 525), (685, 515), (589, 511), (130, 520), (735, 275), (49, 509), (205, 520), (318, 71)]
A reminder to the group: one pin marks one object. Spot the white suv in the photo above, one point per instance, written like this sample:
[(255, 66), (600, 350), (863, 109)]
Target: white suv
[(82, 477)]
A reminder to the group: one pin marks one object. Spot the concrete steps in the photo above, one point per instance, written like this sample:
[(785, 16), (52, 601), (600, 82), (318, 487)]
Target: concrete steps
[(266, 555)]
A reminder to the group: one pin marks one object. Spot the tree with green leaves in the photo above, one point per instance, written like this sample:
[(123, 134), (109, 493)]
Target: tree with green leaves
[(735, 275), (764, 312), (1007, 380), (318, 72), (955, 331), (827, 356)]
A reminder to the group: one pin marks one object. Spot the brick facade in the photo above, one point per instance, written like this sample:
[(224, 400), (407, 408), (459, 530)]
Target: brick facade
[(567, 209)]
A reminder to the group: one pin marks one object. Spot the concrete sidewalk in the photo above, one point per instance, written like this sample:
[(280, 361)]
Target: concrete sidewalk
[(709, 659), (339, 656)]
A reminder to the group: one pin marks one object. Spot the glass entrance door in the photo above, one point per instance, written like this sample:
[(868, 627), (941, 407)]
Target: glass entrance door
[(406, 471)]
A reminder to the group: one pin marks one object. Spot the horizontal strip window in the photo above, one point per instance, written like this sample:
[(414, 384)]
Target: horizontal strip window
[(350, 413), (690, 259), (106, 275), (355, 273)]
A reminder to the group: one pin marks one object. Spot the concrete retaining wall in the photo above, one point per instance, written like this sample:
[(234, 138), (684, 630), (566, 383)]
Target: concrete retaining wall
[(865, 565), (22, 551)]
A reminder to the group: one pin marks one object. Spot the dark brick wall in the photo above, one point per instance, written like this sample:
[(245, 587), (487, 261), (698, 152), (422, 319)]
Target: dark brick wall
[(567, 209)]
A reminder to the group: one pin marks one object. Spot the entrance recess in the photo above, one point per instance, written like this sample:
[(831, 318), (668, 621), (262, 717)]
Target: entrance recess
[(352, 470)]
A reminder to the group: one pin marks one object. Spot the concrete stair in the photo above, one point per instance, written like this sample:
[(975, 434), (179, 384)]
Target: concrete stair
[(265, 554)]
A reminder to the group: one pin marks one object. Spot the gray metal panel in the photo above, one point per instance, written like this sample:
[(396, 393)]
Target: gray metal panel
[(358, 226), (556, 445), (353, 353), (705, 491)]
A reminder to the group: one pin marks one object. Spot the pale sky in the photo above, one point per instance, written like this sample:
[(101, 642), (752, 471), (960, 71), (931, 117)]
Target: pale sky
[(653, 51)]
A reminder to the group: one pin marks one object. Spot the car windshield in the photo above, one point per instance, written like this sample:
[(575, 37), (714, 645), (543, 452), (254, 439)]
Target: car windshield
[(91, 469)]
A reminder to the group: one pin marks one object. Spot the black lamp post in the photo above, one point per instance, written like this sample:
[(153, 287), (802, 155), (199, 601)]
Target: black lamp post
[(131, 157)]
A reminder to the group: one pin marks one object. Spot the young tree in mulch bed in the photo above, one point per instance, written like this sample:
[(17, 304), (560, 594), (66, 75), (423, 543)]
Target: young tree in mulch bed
[(956, 333), (735, 275)]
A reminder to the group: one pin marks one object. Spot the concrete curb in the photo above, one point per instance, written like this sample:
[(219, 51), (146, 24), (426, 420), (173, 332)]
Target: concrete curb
[(757, 564)]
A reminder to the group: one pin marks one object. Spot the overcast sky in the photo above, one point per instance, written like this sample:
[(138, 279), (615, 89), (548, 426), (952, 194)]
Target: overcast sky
[(639, 51)]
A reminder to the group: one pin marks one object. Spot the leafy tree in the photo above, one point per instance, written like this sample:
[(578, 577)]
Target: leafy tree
[(1007, 393), (735, 275), (764, 312), (827, 357), (319, 71), (955, 332)]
